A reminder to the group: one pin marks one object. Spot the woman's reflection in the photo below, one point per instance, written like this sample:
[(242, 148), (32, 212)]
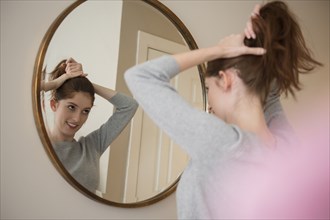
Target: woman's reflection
[(72, 98)]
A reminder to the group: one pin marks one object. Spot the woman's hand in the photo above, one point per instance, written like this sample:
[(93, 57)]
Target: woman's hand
[(74, 69), (233, 46), (248, 31), (228, 47)]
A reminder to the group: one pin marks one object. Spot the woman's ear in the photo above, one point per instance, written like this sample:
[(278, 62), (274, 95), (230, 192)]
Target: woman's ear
[(53, 104), (224, 80)]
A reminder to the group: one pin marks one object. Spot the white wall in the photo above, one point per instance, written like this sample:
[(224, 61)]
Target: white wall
[(99, 59), (30, 185)]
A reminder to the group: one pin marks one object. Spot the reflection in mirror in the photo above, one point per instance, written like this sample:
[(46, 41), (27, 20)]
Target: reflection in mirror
[(72, 99), (142, 165)]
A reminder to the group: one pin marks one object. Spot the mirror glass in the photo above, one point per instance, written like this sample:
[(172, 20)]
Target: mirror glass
[(142, 165)]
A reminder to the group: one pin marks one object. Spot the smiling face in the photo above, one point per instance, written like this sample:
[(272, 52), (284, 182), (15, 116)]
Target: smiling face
[(70, 115)]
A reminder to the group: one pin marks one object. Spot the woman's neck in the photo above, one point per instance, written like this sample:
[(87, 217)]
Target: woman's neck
[(57, 137), (248, 114)]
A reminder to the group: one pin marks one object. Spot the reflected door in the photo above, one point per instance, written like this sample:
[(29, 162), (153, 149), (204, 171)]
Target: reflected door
[(155, 161)]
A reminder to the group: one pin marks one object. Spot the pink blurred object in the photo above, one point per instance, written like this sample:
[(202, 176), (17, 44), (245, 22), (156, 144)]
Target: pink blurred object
[(291, 186)]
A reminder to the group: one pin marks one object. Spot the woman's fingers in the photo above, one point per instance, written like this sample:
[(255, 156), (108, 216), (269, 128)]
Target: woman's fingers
[(73, 67), (256, 10), (70, 60), (233, 45), (255, 50), (248, 31)]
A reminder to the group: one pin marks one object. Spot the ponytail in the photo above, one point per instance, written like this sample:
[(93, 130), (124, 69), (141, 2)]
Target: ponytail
[(58, 71), (287, 55), (70, 86)]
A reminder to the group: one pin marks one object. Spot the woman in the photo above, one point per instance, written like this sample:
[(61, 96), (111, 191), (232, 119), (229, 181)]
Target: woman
[(71, 101), (247, 124)]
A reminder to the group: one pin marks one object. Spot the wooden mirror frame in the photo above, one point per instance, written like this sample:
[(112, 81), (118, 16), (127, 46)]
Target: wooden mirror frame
[(37, 109)]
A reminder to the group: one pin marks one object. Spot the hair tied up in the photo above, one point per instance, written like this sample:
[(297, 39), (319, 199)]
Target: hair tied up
[(287, 55), (58, 71)]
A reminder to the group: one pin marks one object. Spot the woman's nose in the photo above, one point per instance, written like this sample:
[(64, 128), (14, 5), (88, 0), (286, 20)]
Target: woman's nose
[(209, 109), (76, 116)]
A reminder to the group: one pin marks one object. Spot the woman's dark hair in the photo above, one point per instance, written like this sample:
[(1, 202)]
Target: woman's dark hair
[(70, 86), (287, 55)]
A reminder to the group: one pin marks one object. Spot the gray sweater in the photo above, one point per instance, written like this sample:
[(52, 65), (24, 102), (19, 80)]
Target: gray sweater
[(81, 158), (216, 148)]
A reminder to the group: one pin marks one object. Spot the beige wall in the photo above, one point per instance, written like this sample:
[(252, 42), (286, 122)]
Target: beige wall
[(30, 185)]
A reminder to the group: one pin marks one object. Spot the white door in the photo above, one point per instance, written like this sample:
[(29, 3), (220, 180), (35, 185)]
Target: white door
[(154, 160)]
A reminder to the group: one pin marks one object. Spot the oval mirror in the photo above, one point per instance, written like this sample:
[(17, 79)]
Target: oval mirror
[(142, 165)]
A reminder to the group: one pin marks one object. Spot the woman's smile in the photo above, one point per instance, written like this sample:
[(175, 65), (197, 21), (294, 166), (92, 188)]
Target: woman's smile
[(72, 125)]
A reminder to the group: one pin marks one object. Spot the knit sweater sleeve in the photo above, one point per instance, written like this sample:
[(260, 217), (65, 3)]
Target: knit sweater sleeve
[(194, 130), (125, 108)]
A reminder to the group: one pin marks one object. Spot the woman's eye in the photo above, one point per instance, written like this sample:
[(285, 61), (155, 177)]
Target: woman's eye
[(86, 111), (71, 107)]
